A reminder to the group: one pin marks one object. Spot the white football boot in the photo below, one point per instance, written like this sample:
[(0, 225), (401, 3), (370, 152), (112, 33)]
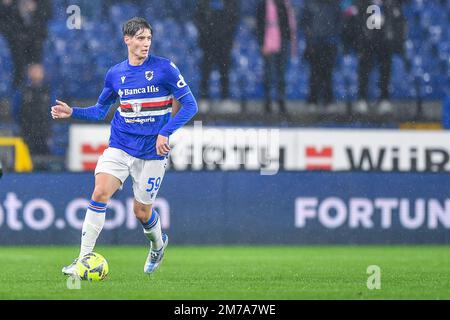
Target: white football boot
[(155, 257), (70, 270)]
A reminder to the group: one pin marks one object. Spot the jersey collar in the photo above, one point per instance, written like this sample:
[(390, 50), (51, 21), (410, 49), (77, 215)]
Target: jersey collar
[(140, 66)]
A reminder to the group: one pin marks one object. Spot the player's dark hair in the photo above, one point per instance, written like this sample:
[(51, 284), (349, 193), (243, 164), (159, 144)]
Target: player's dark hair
[(132, 26)]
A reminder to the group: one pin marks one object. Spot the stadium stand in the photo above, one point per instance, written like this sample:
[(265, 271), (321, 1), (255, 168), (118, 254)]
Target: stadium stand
[(427, 51)]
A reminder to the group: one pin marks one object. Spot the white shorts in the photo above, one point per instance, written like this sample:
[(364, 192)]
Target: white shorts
[(147, 175)]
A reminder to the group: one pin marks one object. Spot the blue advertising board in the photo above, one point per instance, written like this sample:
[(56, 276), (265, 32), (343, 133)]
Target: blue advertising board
[(237, 208)]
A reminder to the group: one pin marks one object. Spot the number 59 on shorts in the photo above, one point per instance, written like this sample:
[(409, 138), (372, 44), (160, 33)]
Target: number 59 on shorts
[(153, 184)]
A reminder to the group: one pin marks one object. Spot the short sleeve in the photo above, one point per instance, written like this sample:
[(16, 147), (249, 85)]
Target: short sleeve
[(175, 82)]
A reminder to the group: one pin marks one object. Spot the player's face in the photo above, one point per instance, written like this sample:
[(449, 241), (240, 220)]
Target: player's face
[(139, 45)]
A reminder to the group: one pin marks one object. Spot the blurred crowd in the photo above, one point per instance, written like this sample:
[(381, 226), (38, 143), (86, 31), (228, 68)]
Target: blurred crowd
[(354, 27), (327, 25), (23, 23)]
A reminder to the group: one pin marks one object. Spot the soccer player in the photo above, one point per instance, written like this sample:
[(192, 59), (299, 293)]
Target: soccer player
[(139, 142)]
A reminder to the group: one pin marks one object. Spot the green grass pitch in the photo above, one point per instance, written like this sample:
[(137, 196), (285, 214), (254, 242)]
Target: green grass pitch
[(234, 272)]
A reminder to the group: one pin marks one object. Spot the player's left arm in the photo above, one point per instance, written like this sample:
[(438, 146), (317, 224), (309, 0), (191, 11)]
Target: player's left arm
[(176, 105), (181, 92)]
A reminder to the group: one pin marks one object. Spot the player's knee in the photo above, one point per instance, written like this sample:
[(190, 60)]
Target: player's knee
[(142, 212), (101, 194)]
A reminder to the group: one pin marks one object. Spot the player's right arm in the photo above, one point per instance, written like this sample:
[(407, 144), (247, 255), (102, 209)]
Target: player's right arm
[(97, 112)]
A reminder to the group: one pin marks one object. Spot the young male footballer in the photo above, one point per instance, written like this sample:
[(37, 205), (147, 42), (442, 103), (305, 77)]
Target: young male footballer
[(146, 86)]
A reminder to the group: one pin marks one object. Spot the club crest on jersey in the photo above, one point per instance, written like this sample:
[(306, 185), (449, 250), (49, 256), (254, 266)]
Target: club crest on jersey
[(149, 75), (136, 107)]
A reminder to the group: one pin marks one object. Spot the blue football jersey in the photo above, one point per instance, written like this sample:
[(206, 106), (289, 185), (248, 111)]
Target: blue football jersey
[(146, 93)]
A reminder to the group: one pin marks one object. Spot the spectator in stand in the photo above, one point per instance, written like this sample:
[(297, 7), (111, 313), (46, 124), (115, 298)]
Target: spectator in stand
[(34, 117), (217, 22), (377, 45), (322, 23), (349, 35), (276, 31), (24, 26)]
